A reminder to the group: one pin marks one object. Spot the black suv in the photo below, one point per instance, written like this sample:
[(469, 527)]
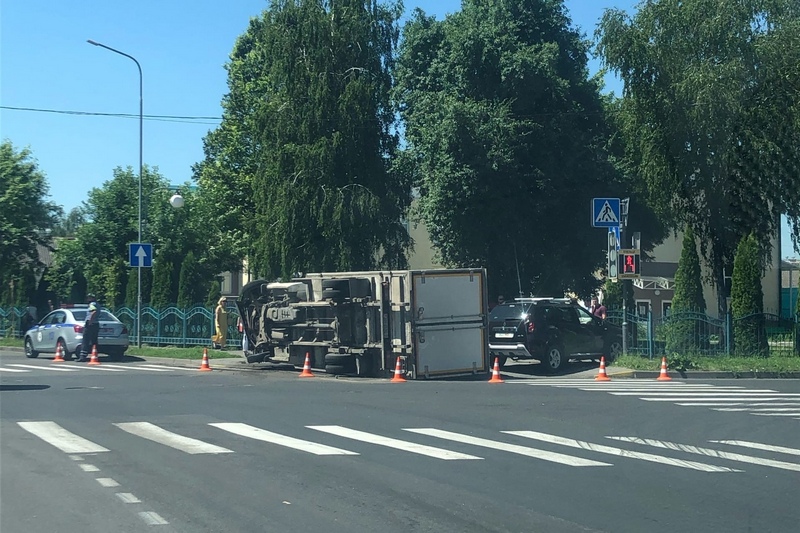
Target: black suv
[(550, 330)]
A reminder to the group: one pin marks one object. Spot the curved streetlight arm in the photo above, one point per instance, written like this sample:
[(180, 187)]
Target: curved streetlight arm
[(141, 135)]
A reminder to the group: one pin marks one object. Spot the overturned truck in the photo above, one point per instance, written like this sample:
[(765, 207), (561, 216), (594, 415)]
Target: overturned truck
[(362, 323)]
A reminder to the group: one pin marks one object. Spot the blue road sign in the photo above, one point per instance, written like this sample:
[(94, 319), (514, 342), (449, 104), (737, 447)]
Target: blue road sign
[(140, 254), (605, 212), (615, 231)]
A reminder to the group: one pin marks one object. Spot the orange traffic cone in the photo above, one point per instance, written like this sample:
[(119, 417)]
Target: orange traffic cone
[(496, 372), (204, 366), (398, 373), (93, 359), (602, 376), (306, 373), (663, 376), (59, 356)]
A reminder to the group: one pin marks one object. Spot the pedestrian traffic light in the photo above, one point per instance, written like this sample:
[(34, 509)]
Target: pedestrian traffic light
[(629, 264)]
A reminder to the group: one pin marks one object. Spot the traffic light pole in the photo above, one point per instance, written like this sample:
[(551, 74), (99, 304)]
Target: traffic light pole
[(623, 235)]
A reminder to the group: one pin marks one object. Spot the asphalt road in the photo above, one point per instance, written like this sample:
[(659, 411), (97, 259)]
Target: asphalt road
[(131, 448)]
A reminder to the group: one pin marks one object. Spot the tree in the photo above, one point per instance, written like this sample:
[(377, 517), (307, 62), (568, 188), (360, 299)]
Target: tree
[(190, 287), (747, 300), (26, 217), (214, 293), (507, 138), (163, 294), (684, 331), (710, 116), (306, 144)]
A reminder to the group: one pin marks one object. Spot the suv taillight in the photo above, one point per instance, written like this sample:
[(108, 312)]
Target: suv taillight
[(78, 328), (124, 330), (530, 327)]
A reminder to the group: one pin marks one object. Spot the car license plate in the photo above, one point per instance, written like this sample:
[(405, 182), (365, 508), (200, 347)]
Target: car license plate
[(107, 331), (504, 335)]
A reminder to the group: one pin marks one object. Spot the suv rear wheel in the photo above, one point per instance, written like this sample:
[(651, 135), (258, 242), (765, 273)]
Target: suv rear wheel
[(555, 358)]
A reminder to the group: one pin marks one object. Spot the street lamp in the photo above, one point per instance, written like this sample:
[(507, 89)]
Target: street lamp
[(141, 117)]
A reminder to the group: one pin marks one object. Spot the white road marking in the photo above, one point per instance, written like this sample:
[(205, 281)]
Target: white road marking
[(127, 497), (711, 453), (252, 432), (613, 383), (107, 482), (102, 367), (136, 367), (756, 404), (173, 440), (795, 410), (430, 451), (67, 442), (152, 519), (506, 447), (3, 369), (42, 367), (687, 390), (165, 366), (89, 468), (775, 414), (758, 446), (715, 399), (744, 393), (619, 452)]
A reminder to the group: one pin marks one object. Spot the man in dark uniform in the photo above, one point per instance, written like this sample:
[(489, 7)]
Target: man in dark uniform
[(90, 331)]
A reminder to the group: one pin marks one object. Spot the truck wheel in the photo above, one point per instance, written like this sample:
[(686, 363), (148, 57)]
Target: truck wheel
[(331, 294), (336, 370), (343, 359)]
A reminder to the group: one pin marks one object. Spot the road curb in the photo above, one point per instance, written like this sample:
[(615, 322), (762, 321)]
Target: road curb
[(646, 374)]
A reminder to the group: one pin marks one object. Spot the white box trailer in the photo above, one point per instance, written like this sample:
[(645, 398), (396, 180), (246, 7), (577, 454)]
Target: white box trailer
[(362, 323)]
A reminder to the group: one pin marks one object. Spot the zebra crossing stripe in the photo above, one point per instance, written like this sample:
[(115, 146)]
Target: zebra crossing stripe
[(3, 369), (42, 367), (758, 446), (67, 442), (710, 453), (164, 366), (737, 403), (137, 367), (795, 410), (430, 451), (619, 452), (252, 432), (716, 399), (506, 447), (173, 440), (745, 393)]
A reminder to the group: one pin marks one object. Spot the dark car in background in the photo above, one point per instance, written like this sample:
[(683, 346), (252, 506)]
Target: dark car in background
[(64, 327), (552, 331)]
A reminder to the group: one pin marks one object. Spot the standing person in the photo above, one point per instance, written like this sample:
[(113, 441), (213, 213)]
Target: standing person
[(221, 325), (240, 327), (598, 310), (90, 331)]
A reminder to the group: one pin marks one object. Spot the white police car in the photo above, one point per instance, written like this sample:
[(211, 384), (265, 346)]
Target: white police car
[(64, 327)]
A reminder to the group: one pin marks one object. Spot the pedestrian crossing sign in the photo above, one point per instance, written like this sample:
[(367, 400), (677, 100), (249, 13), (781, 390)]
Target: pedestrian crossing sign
[(605, 212)]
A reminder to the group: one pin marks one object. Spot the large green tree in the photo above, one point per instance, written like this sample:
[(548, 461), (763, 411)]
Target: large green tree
[(710, 116), (507, 136), (301, 166), (26, 218)]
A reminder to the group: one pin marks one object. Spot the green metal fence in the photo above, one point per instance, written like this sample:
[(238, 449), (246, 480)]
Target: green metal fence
[(169, 327), (699, 333)]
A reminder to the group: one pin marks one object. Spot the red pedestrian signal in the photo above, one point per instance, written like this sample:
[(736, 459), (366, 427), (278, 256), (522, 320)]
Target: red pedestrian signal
[(630, 265)]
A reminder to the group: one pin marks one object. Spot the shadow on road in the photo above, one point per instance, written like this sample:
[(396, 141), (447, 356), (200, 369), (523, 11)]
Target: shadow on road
[(4, 388)]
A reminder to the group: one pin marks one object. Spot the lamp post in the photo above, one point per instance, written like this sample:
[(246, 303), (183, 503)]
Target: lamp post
[(141, 120)]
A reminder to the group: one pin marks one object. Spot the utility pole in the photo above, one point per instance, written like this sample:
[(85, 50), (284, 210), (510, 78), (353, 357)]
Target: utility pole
[(623, 235)]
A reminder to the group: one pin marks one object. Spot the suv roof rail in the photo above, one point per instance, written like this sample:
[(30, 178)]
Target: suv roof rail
[(544, 299)]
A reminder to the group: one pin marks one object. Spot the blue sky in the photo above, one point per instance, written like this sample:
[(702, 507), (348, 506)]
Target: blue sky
[(182, 47)]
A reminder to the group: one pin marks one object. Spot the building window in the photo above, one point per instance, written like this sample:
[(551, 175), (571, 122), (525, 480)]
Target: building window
[(642, 308), (666, 307)]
